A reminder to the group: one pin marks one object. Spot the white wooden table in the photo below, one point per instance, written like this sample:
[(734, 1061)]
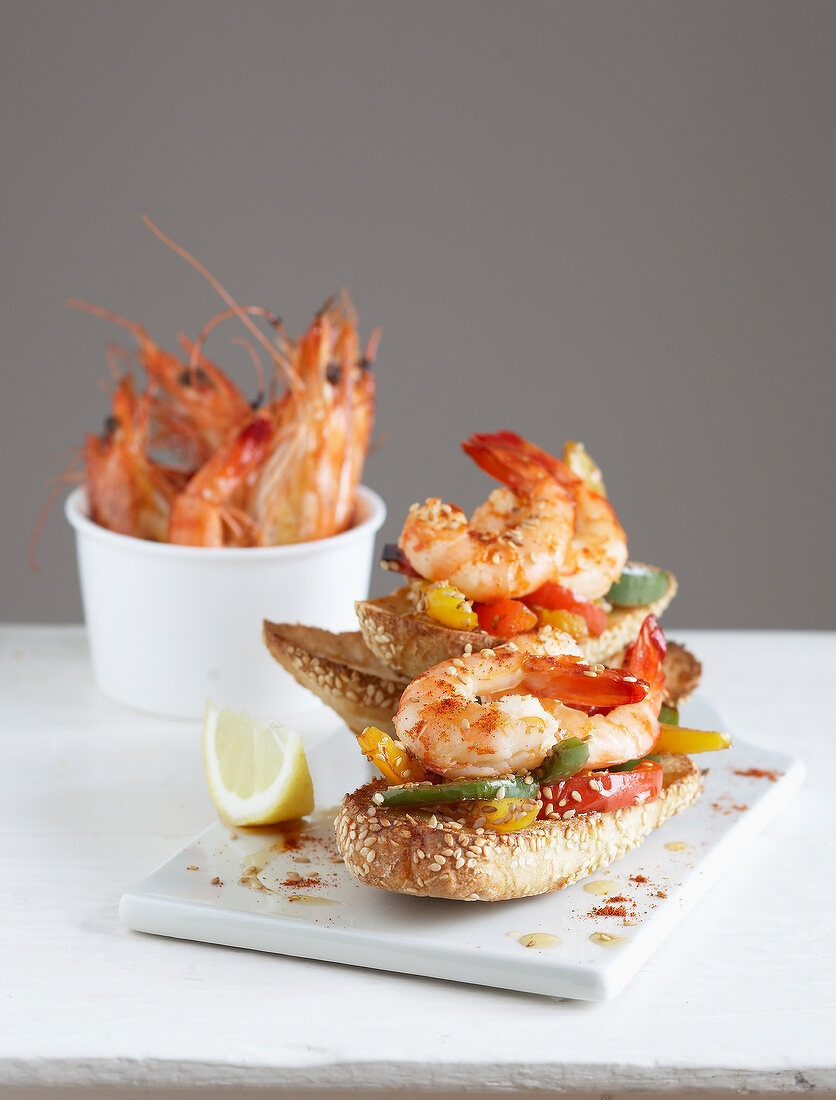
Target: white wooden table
[(742, 996)]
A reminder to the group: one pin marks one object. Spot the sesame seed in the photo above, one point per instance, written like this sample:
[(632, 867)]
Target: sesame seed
[(567, 814), (576, 796)]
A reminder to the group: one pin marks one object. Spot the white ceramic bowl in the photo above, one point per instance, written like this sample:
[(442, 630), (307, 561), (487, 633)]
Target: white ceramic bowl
[(170, 626)]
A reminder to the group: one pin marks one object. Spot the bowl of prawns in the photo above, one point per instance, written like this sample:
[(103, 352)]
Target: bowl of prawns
[(200, 506)]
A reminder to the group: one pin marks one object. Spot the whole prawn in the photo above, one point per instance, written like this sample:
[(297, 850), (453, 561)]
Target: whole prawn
[(195, 405), (306, 488), (127, 492), (205, 512)]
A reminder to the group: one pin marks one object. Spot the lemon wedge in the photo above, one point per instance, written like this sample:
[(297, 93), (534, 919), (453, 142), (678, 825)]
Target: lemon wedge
[(257, 773)]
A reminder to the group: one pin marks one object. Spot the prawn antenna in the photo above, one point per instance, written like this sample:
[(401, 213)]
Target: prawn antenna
[(257, 401), (109, 315), (295, 380)]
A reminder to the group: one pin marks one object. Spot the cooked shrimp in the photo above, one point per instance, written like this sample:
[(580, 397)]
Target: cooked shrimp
[(204, 513), (306, 489), (511, 545), (625, 732), (492, 713), (197, 406), (598, 548), (125, 490)]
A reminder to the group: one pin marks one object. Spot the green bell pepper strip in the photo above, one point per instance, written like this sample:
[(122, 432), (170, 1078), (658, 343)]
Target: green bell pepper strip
[(638, 585), (567, 759), (460, 790)]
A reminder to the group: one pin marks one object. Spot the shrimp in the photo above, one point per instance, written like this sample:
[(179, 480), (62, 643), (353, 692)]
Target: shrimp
[(494, 712), (625, 732), (204, 513), (306, 488), (512, 543), (597, 551), (126, 491), (197, 405)]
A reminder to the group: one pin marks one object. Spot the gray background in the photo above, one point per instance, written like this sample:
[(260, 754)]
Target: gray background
[(612, 222)]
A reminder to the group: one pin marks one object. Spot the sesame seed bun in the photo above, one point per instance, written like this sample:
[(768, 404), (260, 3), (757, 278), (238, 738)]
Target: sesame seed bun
[(408, 641), (340, 670), (433, 853)]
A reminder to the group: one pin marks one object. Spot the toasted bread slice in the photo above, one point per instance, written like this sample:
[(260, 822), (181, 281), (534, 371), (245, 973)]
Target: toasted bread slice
[(340, 670), (408, 641), (434, 853), (364, 692)]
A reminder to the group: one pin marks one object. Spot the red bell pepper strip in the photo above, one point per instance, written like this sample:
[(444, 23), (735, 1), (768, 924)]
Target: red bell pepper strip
[(602, 791), (504, 618), (557, 598)]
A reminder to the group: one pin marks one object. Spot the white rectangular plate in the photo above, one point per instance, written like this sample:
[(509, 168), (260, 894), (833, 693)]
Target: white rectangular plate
[(337, 919)]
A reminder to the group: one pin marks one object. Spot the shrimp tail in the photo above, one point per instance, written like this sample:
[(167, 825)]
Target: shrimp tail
[(580, 686), (505, 454), (499, 456), (645, 657)]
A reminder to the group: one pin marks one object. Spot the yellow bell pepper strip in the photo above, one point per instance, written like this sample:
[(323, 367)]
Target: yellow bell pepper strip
[(506, 815), (567, 621), (450, 607), (679, 740), (579, 461), (390, 757)]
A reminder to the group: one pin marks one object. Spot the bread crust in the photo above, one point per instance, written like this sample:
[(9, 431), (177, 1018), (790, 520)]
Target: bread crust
[(341, 671), (432, 853), (408, 642)]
